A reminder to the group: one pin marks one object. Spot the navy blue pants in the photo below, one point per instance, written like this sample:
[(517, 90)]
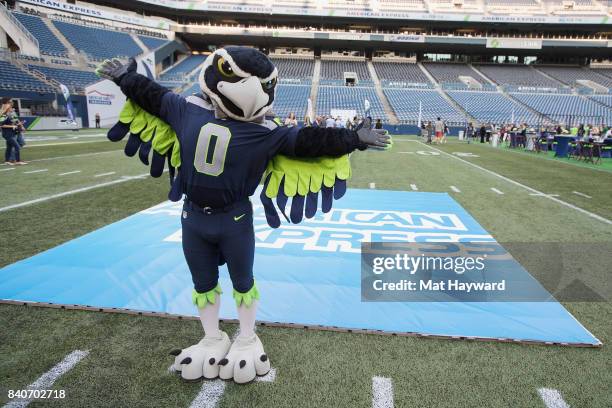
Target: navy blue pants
[(209, 240), (12, 149)]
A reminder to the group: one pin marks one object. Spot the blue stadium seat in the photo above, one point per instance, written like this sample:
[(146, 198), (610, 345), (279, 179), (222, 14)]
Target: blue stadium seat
[(332, 72), (517, 75), (291, 98), (602, 99), (178, 71), (569, 109), (570, 75), (405, 103), (152, 43), (493, 107), (48, 42), (68, 77), (349, 98), (294, 70), (13, 78), (98, 43), (450, 73), (397, 74)]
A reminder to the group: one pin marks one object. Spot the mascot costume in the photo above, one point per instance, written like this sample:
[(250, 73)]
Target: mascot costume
[(219, 145)]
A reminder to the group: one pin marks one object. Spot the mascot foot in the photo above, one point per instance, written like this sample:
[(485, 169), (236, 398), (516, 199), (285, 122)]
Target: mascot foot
[(202, 359), (245, 360)]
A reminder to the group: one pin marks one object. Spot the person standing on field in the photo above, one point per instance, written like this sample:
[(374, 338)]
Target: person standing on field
[(439, 129), (9, 133)]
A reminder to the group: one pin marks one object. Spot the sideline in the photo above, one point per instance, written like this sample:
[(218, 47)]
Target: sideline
[(530, 189), (71, 192)]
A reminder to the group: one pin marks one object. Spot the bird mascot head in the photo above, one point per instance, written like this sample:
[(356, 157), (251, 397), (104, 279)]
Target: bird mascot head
[(240, 82)]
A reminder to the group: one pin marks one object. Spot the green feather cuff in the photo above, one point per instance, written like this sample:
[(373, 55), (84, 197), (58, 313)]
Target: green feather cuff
[(246, 298), (304, 175), (201, 299), (150, 128)]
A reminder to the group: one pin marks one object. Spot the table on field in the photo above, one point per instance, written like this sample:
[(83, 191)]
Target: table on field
[(562, 145)]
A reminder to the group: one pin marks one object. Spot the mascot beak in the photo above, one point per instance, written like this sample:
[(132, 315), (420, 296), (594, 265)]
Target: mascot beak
[(247, 94)]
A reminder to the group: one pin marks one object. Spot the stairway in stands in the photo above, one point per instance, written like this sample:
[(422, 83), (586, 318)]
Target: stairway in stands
[(314, 90), (381, 95), (137, 40), (438, 88), (71, 50)]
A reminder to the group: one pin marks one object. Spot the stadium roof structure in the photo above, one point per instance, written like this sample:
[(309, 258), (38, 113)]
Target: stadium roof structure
[(576, 32), (508, 11)]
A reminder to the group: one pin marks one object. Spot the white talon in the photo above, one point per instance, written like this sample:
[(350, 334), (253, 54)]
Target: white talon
[(245, 360), (202, 359)]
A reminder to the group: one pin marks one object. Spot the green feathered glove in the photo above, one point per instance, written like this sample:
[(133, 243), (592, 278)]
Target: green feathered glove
[(146, 132), (302, 179)]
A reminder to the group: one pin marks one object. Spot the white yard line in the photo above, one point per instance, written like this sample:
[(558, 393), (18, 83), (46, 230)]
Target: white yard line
[(372, 185), (455, 189), (71, 192), (110, 173), (210, 394), (533, 190), (414, 187), (46, 381), (543, 195), (581, 194), (35, 171), (8, 169), (552, 398), (270, 377), (34, 144), (70, 172), (497, 191), (75, 155), (382, 392)]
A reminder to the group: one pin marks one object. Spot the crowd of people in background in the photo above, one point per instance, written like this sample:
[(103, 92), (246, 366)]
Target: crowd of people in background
[(12, 132), (485, 131), (434, 132), (329, 121)]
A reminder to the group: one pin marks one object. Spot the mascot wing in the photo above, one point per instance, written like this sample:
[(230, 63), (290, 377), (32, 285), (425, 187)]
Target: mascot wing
[(302, 179), (147, 132)]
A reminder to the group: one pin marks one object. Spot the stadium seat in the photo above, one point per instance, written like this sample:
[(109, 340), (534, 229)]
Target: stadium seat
[(294, 70), (396, 74), (405, 104), (152, 42), (450, 73), (569, 109), (68, 77), (98, 43), (184, 67), (493, 107), (332, 71), (517, 75), (349, 98), (48, 42), (291, 98), (569, 75), (13, 78)]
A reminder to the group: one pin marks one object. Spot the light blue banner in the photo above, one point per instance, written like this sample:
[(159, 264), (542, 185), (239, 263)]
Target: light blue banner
[(307, 274)]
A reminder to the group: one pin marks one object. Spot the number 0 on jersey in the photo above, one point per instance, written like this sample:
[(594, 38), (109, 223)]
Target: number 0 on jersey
[(211, 149)]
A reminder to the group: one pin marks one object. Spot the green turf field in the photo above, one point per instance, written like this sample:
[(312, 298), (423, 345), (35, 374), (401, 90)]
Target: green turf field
[(521, 199)]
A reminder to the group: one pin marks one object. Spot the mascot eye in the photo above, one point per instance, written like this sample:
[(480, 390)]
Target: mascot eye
[(225, 68), (269, 85)]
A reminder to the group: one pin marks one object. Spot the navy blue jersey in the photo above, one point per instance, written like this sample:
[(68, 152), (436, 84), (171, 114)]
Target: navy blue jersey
[(222, 160), (7, 132)]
